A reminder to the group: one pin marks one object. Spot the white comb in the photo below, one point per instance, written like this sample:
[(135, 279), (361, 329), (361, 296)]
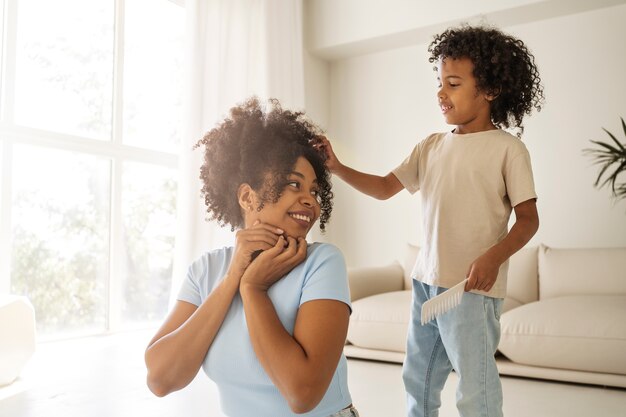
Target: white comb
[(443, 303)]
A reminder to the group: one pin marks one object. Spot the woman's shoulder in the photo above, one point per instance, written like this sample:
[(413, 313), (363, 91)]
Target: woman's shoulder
[(323, 249), (211, 261), (320, 253)]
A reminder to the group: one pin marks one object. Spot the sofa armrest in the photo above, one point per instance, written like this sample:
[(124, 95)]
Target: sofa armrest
[(366, 281)]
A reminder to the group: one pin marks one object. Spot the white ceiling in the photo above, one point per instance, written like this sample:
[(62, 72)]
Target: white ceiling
[(337, 29)]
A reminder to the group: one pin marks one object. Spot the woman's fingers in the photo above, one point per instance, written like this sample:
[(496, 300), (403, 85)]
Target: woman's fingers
[(288, 249), (273, 229), (262, 233), (294, 253), (275, 262), (252, 241)]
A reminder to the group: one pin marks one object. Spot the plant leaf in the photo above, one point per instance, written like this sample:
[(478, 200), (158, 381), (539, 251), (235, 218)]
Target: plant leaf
[(611, 157), (620, 146), (612, 149), (600, 174), (615, 174)]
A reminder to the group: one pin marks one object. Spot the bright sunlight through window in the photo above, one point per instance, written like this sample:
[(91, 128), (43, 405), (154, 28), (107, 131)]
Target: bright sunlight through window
[(90, 122)]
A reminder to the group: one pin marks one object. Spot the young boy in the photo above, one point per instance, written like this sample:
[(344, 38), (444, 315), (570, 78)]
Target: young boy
[(471, 178)]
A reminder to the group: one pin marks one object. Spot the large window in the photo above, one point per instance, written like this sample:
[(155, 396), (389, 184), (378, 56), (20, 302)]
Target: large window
[(90, 111)]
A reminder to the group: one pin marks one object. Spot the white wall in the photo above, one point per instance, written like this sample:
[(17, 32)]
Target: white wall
[(382, 103)]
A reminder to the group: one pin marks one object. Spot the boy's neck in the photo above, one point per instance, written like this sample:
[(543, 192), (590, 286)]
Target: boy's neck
[(466, 129)]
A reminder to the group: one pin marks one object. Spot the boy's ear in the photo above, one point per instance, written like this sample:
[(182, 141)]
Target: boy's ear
[(493, 94), (246, 196)]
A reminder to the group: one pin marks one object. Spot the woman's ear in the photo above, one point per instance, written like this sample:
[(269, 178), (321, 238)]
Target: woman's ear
[(246, 197)]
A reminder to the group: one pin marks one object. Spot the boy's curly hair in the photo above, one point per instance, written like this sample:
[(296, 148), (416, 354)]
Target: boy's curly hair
[(259, 148), (503, 67)]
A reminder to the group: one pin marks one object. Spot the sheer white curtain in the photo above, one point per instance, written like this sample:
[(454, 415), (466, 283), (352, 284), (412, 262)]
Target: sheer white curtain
[(236, 49)]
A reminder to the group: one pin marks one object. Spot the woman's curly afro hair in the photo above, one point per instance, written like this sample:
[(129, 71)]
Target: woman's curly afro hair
[(259, 148), (503, 67)]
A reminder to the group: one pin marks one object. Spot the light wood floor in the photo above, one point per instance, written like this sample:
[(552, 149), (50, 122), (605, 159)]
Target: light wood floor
[(105, 377)]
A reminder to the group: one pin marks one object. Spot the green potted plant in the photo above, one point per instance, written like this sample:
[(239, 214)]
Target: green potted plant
[(611, 156)]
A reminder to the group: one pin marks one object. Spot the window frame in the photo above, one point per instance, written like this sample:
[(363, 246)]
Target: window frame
[(114, 150)]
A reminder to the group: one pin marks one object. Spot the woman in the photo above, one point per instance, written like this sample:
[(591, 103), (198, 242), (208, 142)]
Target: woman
[(266, 319)]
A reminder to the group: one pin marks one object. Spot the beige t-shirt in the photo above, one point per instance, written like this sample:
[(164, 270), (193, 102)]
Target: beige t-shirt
[(469, 184)]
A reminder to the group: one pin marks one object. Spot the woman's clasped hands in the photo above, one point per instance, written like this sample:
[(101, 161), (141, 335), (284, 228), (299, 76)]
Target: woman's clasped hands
[(279, 255)]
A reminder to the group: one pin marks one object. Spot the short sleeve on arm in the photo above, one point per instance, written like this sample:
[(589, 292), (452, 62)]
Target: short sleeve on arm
[(191, 288), (326, 276), (407, 172), (520, 185)]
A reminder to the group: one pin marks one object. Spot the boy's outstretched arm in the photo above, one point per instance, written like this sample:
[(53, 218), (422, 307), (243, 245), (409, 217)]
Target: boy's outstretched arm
[(483, 272), (375, 186)]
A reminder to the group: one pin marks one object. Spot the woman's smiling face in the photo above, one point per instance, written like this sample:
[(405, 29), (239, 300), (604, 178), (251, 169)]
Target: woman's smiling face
[(298, 207)]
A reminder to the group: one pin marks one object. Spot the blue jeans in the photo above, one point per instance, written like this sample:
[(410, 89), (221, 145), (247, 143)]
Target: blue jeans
[(466, 339)]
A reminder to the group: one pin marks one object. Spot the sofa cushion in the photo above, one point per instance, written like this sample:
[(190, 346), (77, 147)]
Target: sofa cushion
[(584, 333), (381, 321), (564, 272), (17, 343), (366, 281), (522, 286)]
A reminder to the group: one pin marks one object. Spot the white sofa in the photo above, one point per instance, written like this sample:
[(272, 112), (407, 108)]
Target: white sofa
[(17, 336), (564, 315)]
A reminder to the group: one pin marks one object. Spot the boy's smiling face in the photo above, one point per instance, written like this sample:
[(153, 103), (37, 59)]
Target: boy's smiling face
[(461, 103)]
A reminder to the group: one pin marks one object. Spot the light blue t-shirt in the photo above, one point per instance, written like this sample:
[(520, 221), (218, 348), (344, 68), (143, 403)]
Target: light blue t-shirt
[(245, 389)]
